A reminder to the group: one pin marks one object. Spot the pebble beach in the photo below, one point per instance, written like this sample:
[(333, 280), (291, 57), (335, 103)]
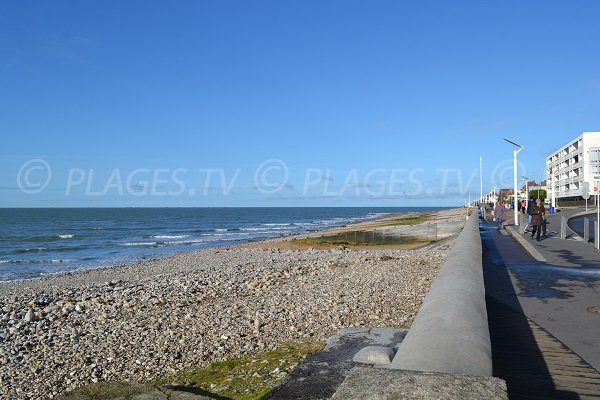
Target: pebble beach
[(158, 317)]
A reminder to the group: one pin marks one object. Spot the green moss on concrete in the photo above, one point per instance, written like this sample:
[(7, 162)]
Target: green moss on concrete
[(243, 378), (250, 377)]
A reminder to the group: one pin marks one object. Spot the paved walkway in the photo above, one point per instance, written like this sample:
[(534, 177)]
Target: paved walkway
[(569, 252), (551, 349)]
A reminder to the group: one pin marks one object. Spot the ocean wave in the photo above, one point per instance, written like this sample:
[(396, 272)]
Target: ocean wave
[(268, 229), (139, 244), (24, 261), (21, 261), (66, 248), (168, 236), (51, 238), (376, 215), (164, 243), (31, 250), (273, 224), (49, 250), (43, 239), (192, 231), (178, 242)]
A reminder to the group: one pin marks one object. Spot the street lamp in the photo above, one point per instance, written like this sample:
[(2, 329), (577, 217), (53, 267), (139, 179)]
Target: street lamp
[(526, 189), (515, 152), (481, 178), (534, 180), (553, 204)]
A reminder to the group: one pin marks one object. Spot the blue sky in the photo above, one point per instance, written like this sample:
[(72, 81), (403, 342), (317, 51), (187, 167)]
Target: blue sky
[(279, 103)]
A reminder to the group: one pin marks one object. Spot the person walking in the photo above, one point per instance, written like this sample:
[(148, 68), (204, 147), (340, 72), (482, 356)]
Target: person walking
[(499, 214), (537, 218), (530, 204)]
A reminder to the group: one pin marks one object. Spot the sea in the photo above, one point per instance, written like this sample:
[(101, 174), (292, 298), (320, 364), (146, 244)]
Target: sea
[(37, 242)]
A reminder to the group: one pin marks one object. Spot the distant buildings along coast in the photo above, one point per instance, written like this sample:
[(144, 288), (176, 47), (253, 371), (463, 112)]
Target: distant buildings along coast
[(574, 163)]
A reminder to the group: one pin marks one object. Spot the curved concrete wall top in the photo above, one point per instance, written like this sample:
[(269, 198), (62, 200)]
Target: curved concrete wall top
[(450, 333)]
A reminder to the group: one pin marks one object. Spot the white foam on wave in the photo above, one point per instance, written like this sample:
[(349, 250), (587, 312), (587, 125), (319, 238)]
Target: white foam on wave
[(32, 250), (165, 243), (287, 224), (61, 261), (22, 261), (66, 236), (177, 242), (169, 236), (139, 244), (265, 229)]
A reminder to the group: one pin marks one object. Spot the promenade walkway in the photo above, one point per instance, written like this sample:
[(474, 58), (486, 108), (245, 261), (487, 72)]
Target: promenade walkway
[(544, 331)]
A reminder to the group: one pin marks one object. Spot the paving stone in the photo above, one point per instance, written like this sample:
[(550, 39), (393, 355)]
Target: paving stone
[(387, 384)]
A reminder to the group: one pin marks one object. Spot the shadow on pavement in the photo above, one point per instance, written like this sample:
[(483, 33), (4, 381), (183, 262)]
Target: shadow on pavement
[(516, 356)]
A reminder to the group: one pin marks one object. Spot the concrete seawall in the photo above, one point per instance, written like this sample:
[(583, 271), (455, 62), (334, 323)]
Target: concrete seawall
[(450, 334)]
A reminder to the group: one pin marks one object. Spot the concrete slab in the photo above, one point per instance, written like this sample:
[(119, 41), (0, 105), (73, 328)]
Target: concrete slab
[(319, 376), (386, 384)]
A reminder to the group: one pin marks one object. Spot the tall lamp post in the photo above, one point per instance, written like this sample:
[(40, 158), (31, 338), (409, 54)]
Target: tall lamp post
[(515, 152), (481, 178), (553, 204), (526, 189)]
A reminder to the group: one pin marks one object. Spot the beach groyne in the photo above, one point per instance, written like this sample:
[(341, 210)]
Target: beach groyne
[(450, 333)]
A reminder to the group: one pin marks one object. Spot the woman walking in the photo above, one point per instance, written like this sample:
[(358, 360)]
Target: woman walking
[(499, 214), (537, 218)]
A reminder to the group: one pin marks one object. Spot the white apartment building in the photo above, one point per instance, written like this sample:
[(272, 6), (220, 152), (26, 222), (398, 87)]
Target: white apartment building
[(576, 162)]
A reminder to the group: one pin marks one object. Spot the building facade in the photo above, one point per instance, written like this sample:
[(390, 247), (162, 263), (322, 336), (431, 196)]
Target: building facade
[(576, 162)]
